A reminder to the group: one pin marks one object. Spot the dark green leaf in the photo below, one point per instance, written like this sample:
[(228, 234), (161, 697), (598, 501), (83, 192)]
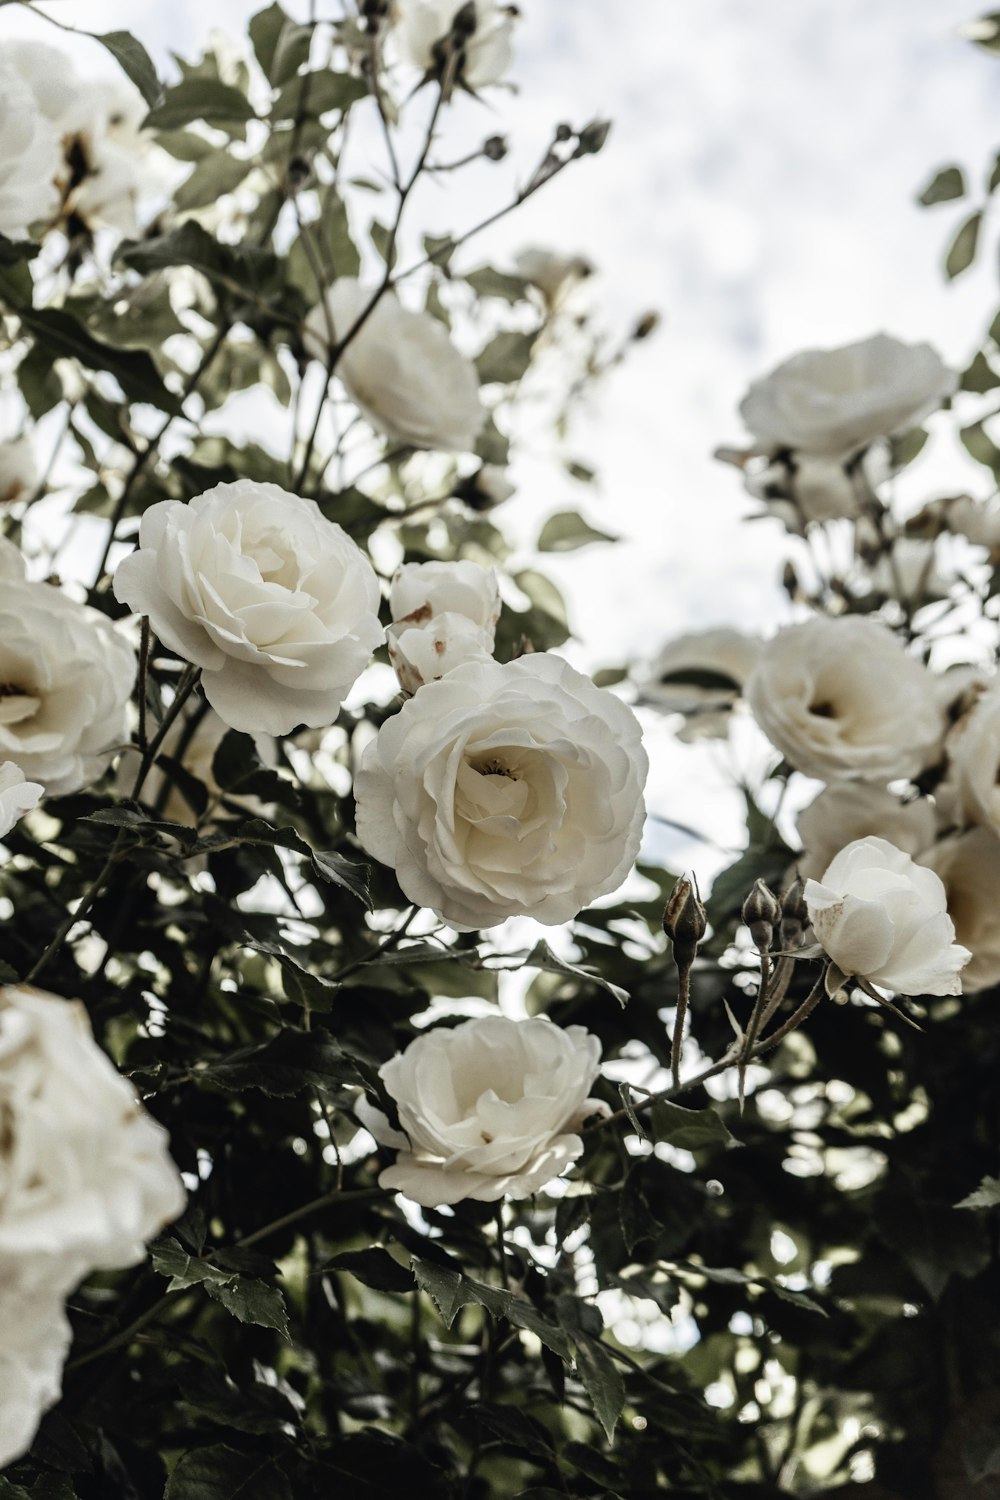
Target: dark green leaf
[(12, 252), (243, 267), (290, 1062), (963, 247), (506, 357), (134, 60), (565, 531), (487, 282), (603, 1382), (314, 94), (347, 873), (201, 99), (251, 1301), (945, 185), (281, 44), (690, 1129), (375, 1267), (222, 1473)]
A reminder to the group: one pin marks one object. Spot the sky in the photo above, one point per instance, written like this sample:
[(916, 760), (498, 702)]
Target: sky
[(758, 189)]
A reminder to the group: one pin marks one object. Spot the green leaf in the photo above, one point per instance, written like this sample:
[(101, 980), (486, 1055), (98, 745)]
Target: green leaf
[(13, 252), (311, 95), (201, 99), (993, 181), (980, 375), (986, 1195), (248, 267), (442, 1285), (64, 338), (375, 1267), (449, 1291), (282, 1067), (542, 957), (134, 60), (944, 186), (251, 1301), (213, 177), (487, 282), (963, 247), (349, 874), (690, 1129), (977, 442), (222, 1473), (281, 45), (984, 31), (506, 357), (602, 1380), (565, 531)]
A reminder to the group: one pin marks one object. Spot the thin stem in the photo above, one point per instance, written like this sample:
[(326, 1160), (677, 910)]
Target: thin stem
[(185, 687), (144, 640), (677, 1041), (388, 942)]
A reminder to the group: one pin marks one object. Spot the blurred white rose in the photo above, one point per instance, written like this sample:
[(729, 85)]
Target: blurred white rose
[(18, 469), (30, 158), (36, 1340), (488, 1110), (910, 572), (425, 653), (555, 276), (855, 810), (65, 680), (505, 790), (832, 402), (86, 1178), (842, 701), (422, 29), (969, 866), (401, 369), (974, 755), (701, 676), (977, 520), (17, 796), (883, 918), (421, 591), (801, 490), (103, 152), (275, 603)]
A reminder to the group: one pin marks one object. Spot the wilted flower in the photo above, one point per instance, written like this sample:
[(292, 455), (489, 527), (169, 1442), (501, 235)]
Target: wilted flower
[(884, 919), (833, 402), (30, 158), (400, 368), (701, 676), (425, 653), (18, 469), (275, 603), (65, 680), (855, 810), (969, 866), (421, 591), (428, 32), (842, 700), (505, 790), (488, 1110)]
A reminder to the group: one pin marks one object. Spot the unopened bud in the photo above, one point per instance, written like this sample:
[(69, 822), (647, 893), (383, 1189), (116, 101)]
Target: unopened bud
[(794, 916), (495, 149), (790, 581), (564, 132), (761, 913), (592, 138), (684, 922), (464, 23), (647, 324), (297, 174)]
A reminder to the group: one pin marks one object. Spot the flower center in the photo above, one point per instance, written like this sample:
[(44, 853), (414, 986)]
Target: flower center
[(823, 710), (496, 768), (16, 703)]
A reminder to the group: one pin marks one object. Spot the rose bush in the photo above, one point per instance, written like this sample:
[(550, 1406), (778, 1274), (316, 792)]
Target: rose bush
[(842, 700), (505, 790), (400, 368), (488, 1110), (883, 918), (275, 604)]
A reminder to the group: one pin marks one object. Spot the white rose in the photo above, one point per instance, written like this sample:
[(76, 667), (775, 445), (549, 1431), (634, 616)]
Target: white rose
[(275, 603), (555, 276), (832, 402), (421, 591), (969, 866), (86, 1178), (17, 796), (488, 1110), (401, 369), (425, 653), (801, 490), (422, 27), (701, 675), (884, 919), (65, 681), (18, 469), (505, 790), (977, 520), (36, 1340), (842, 701), (855, 810), (974, 753), (102, 164), (30, 157)]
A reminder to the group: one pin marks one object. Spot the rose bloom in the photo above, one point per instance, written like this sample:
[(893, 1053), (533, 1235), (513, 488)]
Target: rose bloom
[(36, 1340), (65, 680), (425, 653), (488, 1110), (18, 469), (882, 918), (422, 591), (275, 603), (833, 402), (974, 752), (701, 675), (400, 369), (842, 700), (422, 27), (856, 810), (505, 790), (17, 796), (969, 866), (30, 157)]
